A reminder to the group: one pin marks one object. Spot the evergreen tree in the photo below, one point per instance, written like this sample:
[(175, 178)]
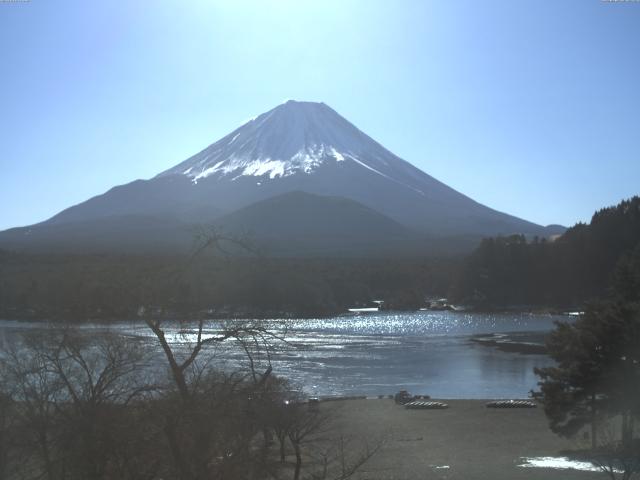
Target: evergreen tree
[(597, 371), (573, 389)]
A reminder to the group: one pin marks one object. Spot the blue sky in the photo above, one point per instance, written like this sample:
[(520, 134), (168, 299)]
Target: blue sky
[(530, 107)]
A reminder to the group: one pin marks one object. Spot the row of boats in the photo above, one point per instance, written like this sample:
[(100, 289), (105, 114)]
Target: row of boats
[(431, 305), (424, 402)]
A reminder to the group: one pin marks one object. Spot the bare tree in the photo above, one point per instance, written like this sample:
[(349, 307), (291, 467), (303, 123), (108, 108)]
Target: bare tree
[(304, 426), (70, 396), (618, 459), (7, 408), (342, 459), (25, 376), (245, 333)]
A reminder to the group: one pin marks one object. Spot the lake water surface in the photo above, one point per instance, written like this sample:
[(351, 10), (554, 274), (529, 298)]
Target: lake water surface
[(424, 352)]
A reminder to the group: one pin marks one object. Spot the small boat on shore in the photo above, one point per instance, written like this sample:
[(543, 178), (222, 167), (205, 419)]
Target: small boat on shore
[(511, 404), (364, 310), (368, 309), (426, 405)]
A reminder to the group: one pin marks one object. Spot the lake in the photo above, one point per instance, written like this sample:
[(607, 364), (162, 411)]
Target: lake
[(374, 354)]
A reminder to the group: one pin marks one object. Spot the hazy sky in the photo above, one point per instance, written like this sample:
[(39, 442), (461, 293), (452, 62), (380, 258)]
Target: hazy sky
[(530, 107)]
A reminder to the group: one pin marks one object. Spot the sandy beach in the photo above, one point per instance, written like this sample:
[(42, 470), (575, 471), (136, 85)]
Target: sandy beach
[(465, 441)]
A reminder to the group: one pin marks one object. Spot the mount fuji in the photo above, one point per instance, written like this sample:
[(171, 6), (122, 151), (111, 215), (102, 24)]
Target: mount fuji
[(300, 179)]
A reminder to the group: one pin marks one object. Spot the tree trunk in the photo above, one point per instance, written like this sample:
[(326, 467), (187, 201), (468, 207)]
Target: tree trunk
[(176, 370), (3, 453), (594, 432), (282, 453), (296, 474), (176, 451), (627, 429), (46, 456)]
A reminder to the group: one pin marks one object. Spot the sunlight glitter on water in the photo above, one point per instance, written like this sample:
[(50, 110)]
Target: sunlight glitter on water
[(430, 322), (428, 352)]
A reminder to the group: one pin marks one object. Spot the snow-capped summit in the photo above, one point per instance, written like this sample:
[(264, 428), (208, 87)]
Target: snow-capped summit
[(293, 138)]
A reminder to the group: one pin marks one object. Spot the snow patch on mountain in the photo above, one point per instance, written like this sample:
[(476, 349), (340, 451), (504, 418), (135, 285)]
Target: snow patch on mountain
[(295, 138), (234, 138), (305, 160)]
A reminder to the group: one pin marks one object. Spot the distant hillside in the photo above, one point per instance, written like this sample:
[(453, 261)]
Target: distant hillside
[(577, 267), (302, 224)]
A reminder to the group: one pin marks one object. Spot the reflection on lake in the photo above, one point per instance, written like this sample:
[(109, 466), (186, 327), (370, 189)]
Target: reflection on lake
[(424, 352)]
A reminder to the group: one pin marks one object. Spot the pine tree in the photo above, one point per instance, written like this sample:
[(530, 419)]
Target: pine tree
[(597, 375)]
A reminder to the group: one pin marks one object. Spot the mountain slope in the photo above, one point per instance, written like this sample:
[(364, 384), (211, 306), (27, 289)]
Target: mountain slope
[(295, 147), (118, 233)]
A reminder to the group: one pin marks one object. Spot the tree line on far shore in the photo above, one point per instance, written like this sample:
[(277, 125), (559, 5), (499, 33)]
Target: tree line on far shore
[(503, 272), (566, 272), (105, 287)]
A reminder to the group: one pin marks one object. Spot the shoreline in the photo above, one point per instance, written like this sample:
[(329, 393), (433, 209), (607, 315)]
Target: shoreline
[(504, 343), (194, 316)]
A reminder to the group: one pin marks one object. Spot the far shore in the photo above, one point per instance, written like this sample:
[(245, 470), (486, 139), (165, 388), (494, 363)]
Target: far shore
[(224, 315)]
